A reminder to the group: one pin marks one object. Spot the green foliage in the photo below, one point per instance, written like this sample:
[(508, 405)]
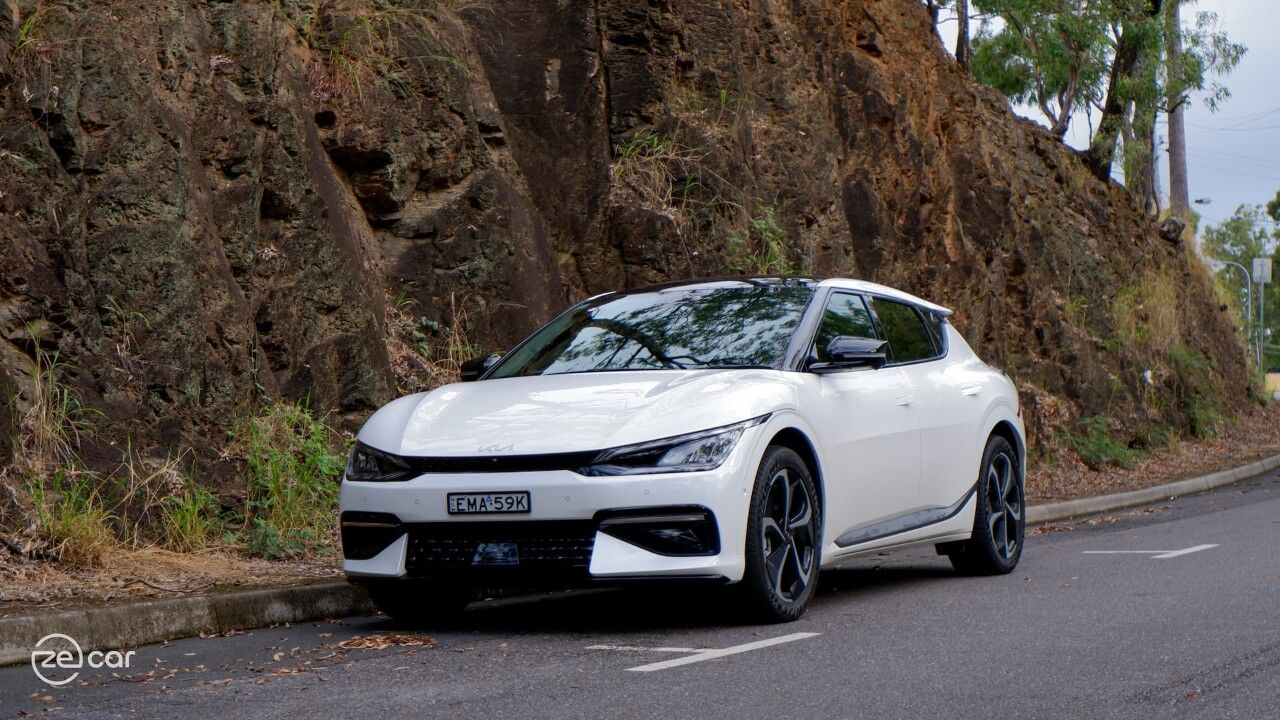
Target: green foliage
[(189, 519), (293, 472), (70, 518), (1246, 235), (1204, 415), (1093, 442), (764, 250), (1051, 54), (1059, 56)]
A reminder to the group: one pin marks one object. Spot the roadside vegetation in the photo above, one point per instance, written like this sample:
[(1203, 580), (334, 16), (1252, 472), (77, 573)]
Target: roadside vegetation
[(57, 509), (426, 353)]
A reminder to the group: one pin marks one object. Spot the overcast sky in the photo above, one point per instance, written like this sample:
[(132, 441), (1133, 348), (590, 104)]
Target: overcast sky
[(1233, 155)]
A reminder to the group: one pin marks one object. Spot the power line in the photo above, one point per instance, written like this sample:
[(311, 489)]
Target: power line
[(1233, 129), (1253, 164), (1250, 158)]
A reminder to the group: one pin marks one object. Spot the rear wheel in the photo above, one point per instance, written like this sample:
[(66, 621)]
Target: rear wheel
[(419, 605), (783, 538), (999, 523)]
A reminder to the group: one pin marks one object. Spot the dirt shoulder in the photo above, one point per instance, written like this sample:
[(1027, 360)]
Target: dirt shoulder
[(27, 585), (1254, 436)]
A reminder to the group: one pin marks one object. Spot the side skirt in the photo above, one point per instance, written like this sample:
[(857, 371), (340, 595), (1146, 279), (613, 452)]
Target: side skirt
[(903, 523)]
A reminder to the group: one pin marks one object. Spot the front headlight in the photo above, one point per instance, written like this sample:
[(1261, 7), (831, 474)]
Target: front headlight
[(704, 450), (369, 465)]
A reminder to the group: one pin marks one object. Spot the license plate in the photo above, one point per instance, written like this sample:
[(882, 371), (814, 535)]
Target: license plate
[(502, 502)]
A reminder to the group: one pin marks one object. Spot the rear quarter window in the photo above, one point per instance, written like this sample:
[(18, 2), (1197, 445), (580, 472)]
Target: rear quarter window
[(909, 339)]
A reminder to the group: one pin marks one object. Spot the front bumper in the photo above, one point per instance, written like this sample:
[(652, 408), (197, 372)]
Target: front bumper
[(579, 529)]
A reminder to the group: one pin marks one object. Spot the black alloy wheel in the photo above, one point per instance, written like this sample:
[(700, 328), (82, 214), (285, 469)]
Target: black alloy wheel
[(999, 523), (783, 537)]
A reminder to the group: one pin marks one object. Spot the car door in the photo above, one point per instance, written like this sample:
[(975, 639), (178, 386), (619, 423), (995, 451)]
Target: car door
[(917, 345), (871, 437)]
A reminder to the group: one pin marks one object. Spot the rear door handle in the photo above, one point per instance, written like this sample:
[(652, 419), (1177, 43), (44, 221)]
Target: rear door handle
[(971, 390), (904, 400)]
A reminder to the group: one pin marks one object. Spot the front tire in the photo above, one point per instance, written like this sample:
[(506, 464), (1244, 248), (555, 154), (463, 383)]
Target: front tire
[(999, 523), (784, 538)]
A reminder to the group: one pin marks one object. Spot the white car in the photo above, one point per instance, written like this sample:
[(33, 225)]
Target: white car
[(746, 431)]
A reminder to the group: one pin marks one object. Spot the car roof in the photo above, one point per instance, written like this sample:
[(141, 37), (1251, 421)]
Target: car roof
[(792, 281), (885, 291)]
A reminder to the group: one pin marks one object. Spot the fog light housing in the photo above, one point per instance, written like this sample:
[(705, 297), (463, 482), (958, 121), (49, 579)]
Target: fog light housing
[(365, 534), (674, 532)]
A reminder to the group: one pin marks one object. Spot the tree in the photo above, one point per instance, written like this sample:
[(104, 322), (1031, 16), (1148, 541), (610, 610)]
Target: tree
[(1179, 193), (1115, 56), (963, 51), (1051, 54), (1273, 207), (1246, 235)]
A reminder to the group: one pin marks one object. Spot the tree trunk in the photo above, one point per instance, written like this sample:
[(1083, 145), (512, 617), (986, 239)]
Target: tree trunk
[(1179, 194), (1102, 149), (963, 51)]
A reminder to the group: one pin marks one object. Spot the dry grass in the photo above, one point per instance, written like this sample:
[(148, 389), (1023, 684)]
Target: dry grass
[(146, 572), (390, 46), (1145, 313), (425, 354)]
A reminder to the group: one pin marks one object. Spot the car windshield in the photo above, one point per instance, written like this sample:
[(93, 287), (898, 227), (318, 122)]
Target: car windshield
[(731, 324)]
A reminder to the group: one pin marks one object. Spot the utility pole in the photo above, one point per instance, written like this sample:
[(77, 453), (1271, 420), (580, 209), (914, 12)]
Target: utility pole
[(1179, 195), (962, 34)]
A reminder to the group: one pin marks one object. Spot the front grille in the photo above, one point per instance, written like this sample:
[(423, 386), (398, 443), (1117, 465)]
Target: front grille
[(501, 463), (544, 549)]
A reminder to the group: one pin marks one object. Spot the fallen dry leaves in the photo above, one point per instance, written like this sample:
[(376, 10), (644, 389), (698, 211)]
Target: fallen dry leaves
[(1254, 436), (383, 641)]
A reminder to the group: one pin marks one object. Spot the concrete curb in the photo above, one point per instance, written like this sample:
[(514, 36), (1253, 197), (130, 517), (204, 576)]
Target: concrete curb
[(127, 625), (1054, 512)]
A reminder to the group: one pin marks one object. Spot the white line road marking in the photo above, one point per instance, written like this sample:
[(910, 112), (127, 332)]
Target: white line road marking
[(723, 652), (642, 648), (1179, 553), (1155, 554)]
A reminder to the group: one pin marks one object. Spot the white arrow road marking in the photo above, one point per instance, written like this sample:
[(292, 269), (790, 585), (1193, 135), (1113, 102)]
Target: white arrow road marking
[(1187, 551), (1155, 554), (702, 655)]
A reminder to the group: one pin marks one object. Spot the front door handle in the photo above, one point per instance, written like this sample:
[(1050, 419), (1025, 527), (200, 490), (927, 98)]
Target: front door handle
[(905, 400)]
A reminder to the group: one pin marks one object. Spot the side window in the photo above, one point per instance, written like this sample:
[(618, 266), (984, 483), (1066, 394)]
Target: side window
[(937, 330), (845, 314), (909, 339)]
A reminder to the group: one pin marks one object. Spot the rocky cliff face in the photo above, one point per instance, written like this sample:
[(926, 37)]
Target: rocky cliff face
[(208, 203)]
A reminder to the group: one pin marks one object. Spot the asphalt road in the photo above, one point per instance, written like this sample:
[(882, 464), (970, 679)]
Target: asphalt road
[(1072, 633)]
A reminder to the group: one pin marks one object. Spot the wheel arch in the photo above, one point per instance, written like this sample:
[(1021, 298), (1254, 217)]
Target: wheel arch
[(795, 439), (1008, 431)]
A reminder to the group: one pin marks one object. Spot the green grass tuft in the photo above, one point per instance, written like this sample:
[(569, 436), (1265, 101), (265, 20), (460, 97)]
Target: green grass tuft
[(294, 469), (1093, 443)]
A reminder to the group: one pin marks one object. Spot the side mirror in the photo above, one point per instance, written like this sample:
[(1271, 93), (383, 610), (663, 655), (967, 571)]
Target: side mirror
[(473, 369), (847, 351)]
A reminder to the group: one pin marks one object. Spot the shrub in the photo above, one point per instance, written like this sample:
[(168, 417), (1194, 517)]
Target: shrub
[(293, 472), (70, 518), (1094, 444)]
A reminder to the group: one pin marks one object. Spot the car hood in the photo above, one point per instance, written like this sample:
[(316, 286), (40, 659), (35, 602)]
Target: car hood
[(573, 412)]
